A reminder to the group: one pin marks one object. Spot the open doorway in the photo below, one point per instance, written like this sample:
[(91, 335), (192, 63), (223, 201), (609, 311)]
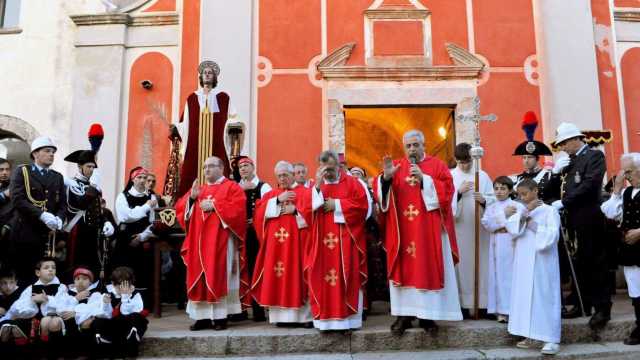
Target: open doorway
[(373, 131)]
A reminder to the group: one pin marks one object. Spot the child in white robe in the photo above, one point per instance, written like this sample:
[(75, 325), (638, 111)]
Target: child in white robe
[(501, 247), (535, 289)]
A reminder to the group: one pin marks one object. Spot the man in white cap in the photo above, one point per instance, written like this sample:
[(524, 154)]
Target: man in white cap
[(39, 201), (578, 177)]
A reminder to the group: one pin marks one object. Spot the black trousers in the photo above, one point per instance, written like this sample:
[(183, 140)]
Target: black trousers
[(592, 264), (118, 328)]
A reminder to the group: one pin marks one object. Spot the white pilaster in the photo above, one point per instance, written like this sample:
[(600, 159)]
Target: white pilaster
[(569, 88)]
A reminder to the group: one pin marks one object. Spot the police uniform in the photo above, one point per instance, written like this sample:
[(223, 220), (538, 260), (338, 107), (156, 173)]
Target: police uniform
[(38, 196), (580, 187)]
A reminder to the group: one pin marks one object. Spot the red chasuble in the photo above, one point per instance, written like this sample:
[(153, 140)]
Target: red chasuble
[(413, 234), (336, 264), (190, 166), (204, 250), (278, 279)]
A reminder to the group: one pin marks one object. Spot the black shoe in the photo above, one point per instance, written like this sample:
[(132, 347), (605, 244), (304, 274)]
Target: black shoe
[(201, 325), (219, 325), (428, 325), (401, 324), (466, 314), (307, 325), (599, 320), (238, 317), (634, 337), (574, 313)]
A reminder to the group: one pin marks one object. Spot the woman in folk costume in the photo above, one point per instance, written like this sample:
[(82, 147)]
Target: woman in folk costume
[(135, 214)]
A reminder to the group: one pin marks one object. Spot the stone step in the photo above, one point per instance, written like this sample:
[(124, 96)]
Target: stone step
[(610, 350), (168, 337)]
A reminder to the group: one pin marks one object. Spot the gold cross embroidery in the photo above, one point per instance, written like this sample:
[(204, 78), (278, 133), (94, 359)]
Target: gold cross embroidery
[(411, 212), (282, 235), (412, 180), (411, 249), (331, 277), (330, 240), (279, 268)]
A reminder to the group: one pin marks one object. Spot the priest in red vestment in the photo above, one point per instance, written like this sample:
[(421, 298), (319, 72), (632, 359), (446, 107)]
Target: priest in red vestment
[(189, 128), (214, 218), (414, 195), (336, 263), (282, 217)]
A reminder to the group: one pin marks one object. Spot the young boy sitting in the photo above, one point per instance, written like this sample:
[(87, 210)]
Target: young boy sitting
[(128, 322), (9, 294), (501, 247), (81, 306), (36, 309), (535, 289)]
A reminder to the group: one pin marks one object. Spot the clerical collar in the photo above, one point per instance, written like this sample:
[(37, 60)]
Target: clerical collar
[(219, 181), (137, 193), (54, 281)]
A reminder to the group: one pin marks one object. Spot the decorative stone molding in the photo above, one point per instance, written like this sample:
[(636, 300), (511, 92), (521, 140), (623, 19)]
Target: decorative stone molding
[(336, 127), (461, 56), (10, 30), (397, 13), (100, 19), (626, 15), (152, 19), (21, 128), (339, 57), (467, 66)]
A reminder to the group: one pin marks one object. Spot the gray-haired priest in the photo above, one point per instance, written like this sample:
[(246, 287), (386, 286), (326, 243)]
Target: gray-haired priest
[(415, 194)]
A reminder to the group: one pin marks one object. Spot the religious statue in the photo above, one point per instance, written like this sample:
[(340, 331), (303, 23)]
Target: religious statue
[(209, 126)]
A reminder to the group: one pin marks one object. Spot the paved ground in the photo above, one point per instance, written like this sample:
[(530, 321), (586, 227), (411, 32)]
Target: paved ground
[(610, 351), (176, 323), (169, 337)]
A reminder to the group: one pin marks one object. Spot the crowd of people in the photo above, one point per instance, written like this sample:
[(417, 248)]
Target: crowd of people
[(316, 252)]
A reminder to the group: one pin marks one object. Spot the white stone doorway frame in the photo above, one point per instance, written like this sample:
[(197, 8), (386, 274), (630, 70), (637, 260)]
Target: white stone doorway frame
[(389, 85)]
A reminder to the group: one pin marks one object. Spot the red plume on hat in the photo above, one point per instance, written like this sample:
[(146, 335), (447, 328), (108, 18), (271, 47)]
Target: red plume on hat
[(96, 135), (529, 124)]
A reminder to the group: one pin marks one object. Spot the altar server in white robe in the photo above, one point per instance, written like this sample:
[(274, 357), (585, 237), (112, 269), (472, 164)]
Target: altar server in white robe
[(463, 205), (535, 290), (501, 247)]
